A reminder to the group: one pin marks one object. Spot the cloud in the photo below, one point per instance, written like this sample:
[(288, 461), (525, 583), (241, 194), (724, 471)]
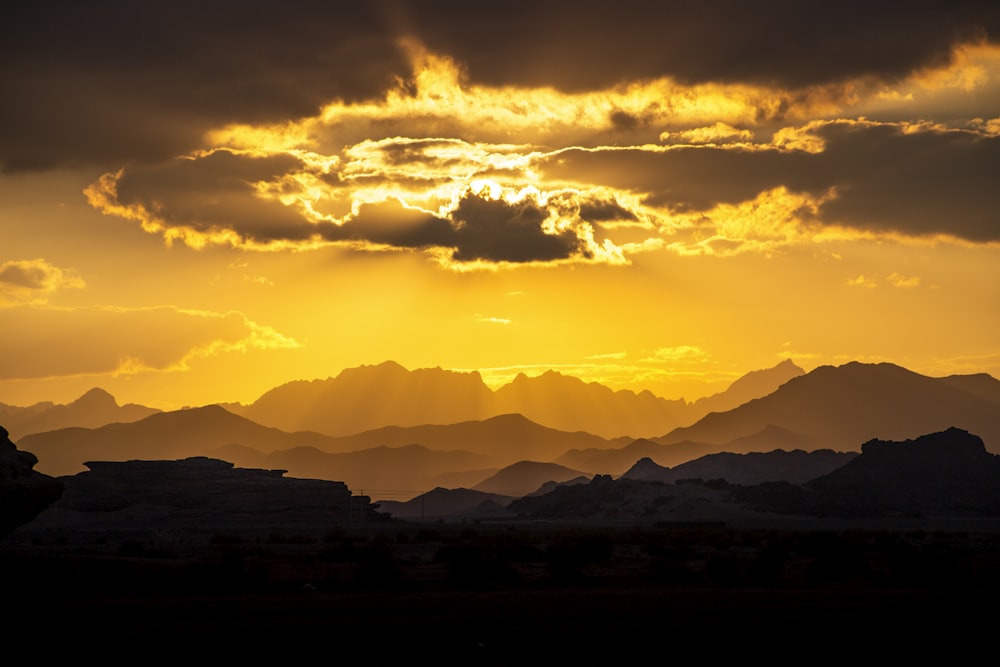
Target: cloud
[(499, 175), (862, 281), (87, 86), (679, 353), (492, 320), (899, 280), (33, 280), (536, 43), (44, 342)]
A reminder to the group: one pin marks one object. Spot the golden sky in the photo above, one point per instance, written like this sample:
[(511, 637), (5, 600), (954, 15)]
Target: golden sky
[(198, 203)]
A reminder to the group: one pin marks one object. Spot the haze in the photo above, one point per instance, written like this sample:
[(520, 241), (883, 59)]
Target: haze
[(199, 203)]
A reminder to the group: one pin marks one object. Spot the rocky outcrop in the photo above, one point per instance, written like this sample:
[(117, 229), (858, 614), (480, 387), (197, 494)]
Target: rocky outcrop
[(24, 492), (945, 473), (194, 500)]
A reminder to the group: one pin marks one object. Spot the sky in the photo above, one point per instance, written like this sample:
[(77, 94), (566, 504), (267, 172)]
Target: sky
[(200, 201)]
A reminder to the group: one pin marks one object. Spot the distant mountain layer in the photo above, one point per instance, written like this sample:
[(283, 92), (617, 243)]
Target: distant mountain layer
[(404, 461), (839, 407), (795, 466), (95, 408), (369, 397)]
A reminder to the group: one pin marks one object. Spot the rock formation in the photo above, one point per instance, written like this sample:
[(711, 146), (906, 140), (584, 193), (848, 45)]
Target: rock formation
[(24, 492)]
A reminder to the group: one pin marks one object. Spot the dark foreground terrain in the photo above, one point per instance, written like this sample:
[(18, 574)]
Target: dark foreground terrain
[(526, 593)]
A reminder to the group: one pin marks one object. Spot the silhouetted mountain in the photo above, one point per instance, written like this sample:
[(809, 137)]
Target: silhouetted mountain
[(795, 466), (508, 438), (369, 397), (840, 406), (570, 404), (524, 477), (949, 473), (385, 459), (24, 492), (193, 501), (95, 408), (938, 477), (162, 436), (754, 384), (442, 503), (615, 461)]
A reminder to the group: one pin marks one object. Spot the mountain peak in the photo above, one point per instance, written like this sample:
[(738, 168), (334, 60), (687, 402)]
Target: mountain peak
[(95, 398)]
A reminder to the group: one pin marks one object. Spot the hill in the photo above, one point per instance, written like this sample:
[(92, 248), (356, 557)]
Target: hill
[(838, 407), (94, 408), (369, 397)]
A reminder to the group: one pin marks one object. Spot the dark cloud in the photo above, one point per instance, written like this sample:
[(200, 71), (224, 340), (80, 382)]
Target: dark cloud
[(215, 193), (498, 231), (390, 223), (117, 82), (914, 182), (592, 44), (887, 177), (689, 178), (31, 275), (481, 229)]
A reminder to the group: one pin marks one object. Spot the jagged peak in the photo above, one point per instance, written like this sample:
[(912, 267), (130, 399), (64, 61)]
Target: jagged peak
[(94, 396)]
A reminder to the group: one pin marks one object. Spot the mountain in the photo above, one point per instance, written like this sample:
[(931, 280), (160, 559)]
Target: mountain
[(165, 435), (508, 437), (94, 408), (932, 480), (838, 407), (369, 397), (570, 404), (754, 384), (795, 466), (404, 461), (937, 474), (615, 461), (525, 477), (442, 503)]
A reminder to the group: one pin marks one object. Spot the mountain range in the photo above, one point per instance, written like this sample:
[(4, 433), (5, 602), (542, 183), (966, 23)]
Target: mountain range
[(370, 397), (832, 407)]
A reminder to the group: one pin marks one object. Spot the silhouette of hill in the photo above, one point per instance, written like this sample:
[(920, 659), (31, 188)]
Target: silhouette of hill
[(754, 384), (568, 403), (616, 461), (524, 477), (838, 407), (939, 477), (949, 473), (370, 397), (387, 459), (441, 503), (795, 466), (164, 435), (94, 408), (507, 437)]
